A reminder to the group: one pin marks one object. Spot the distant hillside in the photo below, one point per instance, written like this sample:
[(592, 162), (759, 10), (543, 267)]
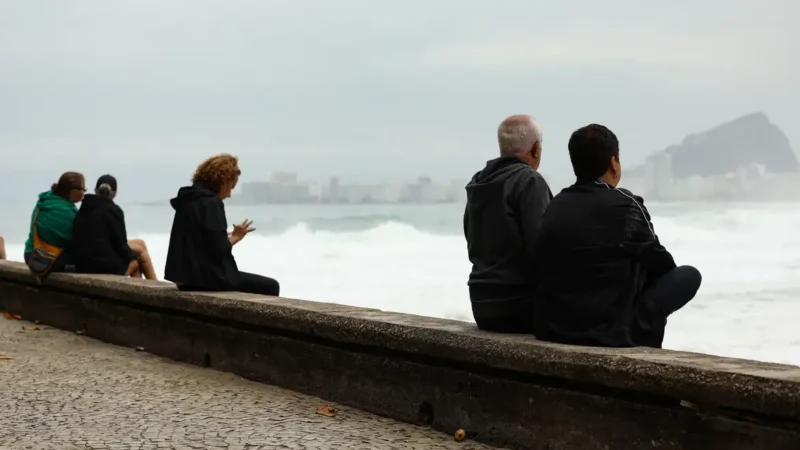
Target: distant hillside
[(738, 143)]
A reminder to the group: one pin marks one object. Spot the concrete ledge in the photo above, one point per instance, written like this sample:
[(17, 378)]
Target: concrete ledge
[(507, 390)]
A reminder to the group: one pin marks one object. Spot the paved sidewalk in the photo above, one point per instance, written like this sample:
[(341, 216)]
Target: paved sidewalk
[(62, 391)]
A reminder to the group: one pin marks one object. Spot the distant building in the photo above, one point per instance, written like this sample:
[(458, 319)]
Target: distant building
[(380, 193), (333, 194), (746, 159), (283, 187), (457, 191), (658, 175), (284, 178), (425, 191)]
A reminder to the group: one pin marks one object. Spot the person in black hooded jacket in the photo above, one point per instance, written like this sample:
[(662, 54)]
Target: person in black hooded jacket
[(605, 278), (200, 255), (100, 241), (505, 202)]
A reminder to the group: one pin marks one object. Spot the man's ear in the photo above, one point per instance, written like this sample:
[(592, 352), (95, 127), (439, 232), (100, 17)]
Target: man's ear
[(616, 168)]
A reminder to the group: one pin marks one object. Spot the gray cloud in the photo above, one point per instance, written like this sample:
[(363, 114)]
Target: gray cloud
[(375, 90)]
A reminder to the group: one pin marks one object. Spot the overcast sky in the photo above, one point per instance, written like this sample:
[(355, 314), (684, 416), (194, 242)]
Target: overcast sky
[(371, 89)]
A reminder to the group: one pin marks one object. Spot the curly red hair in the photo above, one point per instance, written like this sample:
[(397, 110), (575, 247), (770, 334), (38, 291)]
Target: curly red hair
[(214, 172)]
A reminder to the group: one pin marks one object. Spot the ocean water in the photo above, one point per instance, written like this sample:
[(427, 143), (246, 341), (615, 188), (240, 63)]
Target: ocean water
[(412, 258)]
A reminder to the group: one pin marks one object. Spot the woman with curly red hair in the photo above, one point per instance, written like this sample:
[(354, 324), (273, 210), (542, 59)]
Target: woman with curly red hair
[(200, 256)]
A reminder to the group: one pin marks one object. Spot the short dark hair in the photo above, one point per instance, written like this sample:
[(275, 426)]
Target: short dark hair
[(591, 149)]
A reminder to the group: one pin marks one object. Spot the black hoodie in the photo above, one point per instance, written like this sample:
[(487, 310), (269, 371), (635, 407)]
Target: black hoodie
[(100, 241), (200, 255), (505, 203)]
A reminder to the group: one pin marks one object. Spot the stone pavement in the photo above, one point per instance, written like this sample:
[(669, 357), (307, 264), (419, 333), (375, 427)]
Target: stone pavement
[(63, 391)]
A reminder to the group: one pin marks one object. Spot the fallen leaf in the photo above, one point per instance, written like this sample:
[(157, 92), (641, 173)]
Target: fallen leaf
[(139, 349), (31, 328), (4, 357), (10, 316), (327, 410)]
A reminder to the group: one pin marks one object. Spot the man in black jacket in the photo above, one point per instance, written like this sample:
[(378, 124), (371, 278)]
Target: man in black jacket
[(605, 279), (505, 202)]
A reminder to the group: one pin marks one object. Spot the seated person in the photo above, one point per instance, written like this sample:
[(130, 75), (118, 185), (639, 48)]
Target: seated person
[(100, 241), (604, 277), (505, 202), (2, 248), (200, 256), (51, 225)]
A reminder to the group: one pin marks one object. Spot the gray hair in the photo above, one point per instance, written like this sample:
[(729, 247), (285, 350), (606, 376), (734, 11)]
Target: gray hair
[(518, 134), (104, 190)]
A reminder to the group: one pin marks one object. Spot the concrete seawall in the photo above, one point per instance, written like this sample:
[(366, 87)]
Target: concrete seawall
[(506, 390)]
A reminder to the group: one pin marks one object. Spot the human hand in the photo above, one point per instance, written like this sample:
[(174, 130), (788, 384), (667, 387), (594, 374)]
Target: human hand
[(133, 268), (241, 230)]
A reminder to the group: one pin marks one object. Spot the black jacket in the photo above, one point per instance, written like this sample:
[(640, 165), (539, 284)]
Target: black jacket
[(596, 250), (200, 254), (100, 241), (505, 202)]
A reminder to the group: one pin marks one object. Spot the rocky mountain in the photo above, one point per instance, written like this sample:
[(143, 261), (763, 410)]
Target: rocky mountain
[(738, 143)]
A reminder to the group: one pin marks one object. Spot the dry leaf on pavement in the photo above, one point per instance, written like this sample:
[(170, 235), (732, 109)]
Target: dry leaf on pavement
[(10, 316), (2, 357), (327, 410), (31, 328)]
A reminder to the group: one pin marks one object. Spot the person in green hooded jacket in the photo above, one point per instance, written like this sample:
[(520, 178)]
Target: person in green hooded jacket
[(54, 214)]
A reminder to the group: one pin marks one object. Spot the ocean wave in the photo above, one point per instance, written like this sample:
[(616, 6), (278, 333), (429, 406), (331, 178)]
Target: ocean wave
[(750, 260)]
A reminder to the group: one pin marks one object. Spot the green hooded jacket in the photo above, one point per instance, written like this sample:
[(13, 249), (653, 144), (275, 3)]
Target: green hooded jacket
[(54, 223)]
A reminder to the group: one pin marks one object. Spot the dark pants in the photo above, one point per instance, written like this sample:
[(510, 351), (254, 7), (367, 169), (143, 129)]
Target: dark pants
[(662, 297), (62, 263), (249, 283), (503, 309), (520, 322), (257, 284)]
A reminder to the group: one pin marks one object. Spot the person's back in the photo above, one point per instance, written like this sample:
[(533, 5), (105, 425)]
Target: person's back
[(52, 220), (199, 252), (100, 241), (605, 279), (505, 201)]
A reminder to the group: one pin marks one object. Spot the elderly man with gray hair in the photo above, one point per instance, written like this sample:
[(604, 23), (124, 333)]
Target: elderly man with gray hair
[(505, 203)]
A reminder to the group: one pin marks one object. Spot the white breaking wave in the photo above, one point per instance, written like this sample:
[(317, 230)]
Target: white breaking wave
[(747, 305)]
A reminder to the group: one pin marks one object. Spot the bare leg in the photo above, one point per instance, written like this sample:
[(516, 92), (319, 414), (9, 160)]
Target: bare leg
[(145, 263), (2, 249)]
